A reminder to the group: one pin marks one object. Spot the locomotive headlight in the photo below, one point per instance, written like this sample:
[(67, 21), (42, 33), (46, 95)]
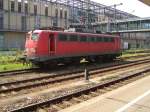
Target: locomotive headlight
[(27, 50), (33, 50)]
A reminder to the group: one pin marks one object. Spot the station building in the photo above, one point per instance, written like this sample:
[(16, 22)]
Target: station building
[(135, 32), (20, 16)]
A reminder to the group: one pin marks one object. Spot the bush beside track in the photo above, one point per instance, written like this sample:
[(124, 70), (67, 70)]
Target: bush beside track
[(136, 51), (10, 60)]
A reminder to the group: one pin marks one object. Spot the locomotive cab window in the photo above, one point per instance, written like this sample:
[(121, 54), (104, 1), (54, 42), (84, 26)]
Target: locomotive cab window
[(35, 36), (63, 37)]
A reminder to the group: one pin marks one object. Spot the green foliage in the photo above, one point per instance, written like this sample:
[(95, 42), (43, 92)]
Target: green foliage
[(136, 51), (18, 66), (10, 56), (10, 60)]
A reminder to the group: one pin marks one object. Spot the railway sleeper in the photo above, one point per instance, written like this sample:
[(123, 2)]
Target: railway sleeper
[(78, 99), (67, 103), (57, 107), (95, 93)]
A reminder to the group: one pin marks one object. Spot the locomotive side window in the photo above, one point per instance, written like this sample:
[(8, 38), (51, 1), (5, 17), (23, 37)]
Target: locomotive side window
[(73, 38), (99, 39), (106, 39), (83, 39), (92, 39), (35, 36), (63, 37), (109, 39)]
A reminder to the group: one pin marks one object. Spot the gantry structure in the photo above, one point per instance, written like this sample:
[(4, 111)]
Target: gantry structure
[(25, 15), (87, 11), (20, 16)]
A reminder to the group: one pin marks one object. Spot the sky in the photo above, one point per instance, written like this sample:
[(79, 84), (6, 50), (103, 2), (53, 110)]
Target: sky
[(134, 7)]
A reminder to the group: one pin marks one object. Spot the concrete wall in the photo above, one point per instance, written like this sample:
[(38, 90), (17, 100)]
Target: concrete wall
[(12, 40), (136, 39), (13, 20)]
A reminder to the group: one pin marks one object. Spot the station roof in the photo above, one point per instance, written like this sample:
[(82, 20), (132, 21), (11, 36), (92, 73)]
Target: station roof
[(146, 2)]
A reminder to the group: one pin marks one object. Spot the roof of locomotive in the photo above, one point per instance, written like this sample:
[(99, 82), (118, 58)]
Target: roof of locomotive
[(39, 31)]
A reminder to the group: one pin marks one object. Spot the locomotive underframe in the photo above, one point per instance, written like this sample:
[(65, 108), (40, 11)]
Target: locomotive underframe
[(54, 60)]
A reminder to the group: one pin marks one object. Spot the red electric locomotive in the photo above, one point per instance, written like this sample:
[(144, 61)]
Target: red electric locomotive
[(47, 46)]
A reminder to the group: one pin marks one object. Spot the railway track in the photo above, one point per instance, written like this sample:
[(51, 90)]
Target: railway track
[(77, 95), (10, 87), (17, 72), (26, 75)]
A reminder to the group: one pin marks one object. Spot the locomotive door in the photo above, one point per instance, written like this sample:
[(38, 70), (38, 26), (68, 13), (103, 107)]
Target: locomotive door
[(51, 44), (116, 44)]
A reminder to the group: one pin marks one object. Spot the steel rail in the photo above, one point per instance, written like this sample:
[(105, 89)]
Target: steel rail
[(57, 99), (64, 77), (16, 72), (68, 73)]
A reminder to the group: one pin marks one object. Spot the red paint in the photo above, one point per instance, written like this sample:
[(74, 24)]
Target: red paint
[(48, 44)]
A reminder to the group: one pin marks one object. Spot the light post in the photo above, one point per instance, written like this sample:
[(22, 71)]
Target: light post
[(86, 72), (115, 22)]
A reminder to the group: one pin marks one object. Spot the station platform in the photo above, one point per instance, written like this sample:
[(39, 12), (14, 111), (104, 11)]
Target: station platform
[(134, 97)]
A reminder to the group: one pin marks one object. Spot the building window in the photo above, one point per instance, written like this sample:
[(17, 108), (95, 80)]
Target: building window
[(19, 6), (65, 14), (35, 9), (56, 12), (1, 4), (12, 6), (55, 22), (1, 41), (1, 21), (23, 23), (26, 8), (46, 11), (61, 13)]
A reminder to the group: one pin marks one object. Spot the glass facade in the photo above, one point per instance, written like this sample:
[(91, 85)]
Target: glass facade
[(135, 33), (12, 6), (124, 26)]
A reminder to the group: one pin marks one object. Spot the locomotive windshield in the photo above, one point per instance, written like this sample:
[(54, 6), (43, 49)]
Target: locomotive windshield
[(35, 36)]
